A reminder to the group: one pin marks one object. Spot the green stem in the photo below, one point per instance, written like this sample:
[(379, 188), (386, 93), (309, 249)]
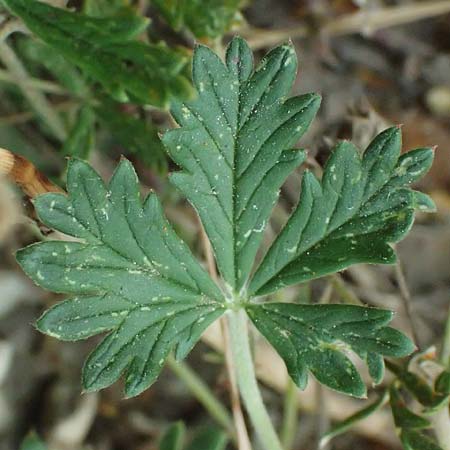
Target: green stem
[(248, 386), (445, 352), (343, 291), (203, 394), (290, 418)]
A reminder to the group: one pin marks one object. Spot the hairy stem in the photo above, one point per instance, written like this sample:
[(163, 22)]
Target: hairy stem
[(243, 439), (203, 394), (248, 386), (238, 415)]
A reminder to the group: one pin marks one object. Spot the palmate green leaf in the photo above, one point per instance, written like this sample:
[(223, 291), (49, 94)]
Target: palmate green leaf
[(130, 276), (234, 146), (204, 18), (107, 51), (317, 338), (351, 216)]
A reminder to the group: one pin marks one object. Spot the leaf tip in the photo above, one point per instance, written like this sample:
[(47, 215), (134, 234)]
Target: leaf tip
[(133, 388), (25, 260), (360, 392)]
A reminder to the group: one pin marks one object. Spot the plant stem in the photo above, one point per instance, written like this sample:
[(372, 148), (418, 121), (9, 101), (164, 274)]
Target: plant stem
[(405, 295), (238, 416), (36, 99), (441, 419), (25, 116), (203, 394), (322, 419), (290, 418), (445, 352), (248, 386), (343, 291), (33, 83)]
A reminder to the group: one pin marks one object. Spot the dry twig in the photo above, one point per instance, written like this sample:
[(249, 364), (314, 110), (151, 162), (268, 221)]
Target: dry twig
[(25, 174), (365, 21)]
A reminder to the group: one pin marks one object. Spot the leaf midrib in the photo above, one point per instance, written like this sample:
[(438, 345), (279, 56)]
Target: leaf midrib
[(235, 177)]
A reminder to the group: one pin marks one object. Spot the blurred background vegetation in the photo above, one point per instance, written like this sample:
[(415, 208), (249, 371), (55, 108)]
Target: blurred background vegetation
[(95, 79)]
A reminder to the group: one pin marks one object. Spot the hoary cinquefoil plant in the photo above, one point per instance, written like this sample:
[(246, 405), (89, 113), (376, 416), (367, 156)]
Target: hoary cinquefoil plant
[(129, 275)]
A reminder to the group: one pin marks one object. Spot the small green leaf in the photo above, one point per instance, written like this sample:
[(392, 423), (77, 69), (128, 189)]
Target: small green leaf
[(442, 384), (409, 423), (316, 338), (65, 72), (105, 49), (137, 136), (419, 387), (33, 442), (130, 274), (403, 417), (424, 202), (351, 216), (414, 440), (375, 364), (209, 438), (204, 18), (82, 136), (173, 438), (234, 145), (347, 424)]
